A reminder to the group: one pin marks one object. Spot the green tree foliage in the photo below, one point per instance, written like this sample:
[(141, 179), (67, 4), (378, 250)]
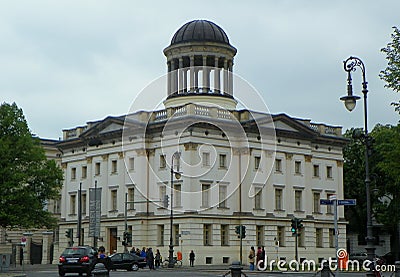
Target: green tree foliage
[(384, 165), (391, 74), (27, 179)]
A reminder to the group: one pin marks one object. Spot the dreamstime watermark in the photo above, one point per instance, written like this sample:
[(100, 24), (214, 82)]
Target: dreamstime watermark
[(340, 263)]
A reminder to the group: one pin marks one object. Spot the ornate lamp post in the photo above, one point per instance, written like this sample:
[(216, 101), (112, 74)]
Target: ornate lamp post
[(176, 155), (350, 65)]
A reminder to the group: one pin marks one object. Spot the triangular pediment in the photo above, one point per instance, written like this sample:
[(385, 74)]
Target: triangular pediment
[(111, 128), (107, 125)]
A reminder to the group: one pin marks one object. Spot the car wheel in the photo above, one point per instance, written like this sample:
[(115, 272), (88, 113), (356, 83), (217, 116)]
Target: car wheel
[(135, 267), (61, 273)]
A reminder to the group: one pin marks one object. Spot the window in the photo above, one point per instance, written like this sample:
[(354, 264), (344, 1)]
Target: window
[(318, 237), (224, 235), (83, 203), (131, 197), (160, 235), (114, 200), (257, 160), (329, 172), (84, 172), (329, 208), (72, 203), (163, 162), (73, 173), (300, 237), (297, 200), (176, 234), (114, 166), (257, 198), (316, 170), (332, 238), (222, 196), (97, 168), (297, 167), (205, 195), (131, 163), (316, 204), (281, 235), (163, 191), (177, 195), (278, 165), (278, 199), (206, 159), (259, 235), (207, 234), (57, 207), (222, 160)]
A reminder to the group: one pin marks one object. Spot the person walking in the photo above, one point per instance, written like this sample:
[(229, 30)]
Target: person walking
[(252, 255), (157, 259), (150, 258), (191, 258)]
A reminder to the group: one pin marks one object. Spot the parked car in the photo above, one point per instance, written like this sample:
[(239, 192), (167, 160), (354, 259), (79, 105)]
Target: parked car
[(361, 257), (127, 261), (79, 259)]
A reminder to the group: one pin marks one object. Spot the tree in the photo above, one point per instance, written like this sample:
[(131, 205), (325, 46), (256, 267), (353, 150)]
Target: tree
[(27, 179), (391, 74), (385, 181)]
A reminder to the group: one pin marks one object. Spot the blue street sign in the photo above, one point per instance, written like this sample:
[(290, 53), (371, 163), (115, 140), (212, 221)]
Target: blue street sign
[(347, 202), (326, 202)]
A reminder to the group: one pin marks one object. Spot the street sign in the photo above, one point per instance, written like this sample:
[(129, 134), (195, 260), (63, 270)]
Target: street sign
[(94, 212), (326, 202), (23, 241), (347, 202)]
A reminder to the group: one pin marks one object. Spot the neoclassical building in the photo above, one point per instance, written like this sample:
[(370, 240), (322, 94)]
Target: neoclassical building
[(237, 167)]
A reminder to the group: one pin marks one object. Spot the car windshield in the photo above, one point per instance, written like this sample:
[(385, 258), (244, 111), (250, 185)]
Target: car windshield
[(74, 251)]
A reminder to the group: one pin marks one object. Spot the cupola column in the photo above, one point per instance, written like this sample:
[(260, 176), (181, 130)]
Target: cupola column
[(196, 79), (173, 77), (230, 90), (226, 89), (180, 75), (185, 72), (169, 78), (192, 73), (217, 81), (206, 76)]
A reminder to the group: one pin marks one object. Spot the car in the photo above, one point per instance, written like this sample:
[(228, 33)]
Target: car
[(388, 258), (361, 257), (127, 261), (78, 259)]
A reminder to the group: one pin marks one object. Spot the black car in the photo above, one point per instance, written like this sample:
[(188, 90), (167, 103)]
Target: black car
[(127, 261), (79, 259)]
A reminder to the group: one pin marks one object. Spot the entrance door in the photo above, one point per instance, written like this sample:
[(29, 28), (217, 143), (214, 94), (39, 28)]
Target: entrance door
[(113, 240)]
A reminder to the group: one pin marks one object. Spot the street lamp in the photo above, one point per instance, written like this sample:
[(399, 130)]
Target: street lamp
[(350, 65), (176, 155)]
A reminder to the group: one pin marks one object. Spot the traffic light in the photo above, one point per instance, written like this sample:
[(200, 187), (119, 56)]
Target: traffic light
[(243, 233), (294, 226), (299, 224), (68, 233), (124, 241), (129, 238), (237, 230), (166, 201)]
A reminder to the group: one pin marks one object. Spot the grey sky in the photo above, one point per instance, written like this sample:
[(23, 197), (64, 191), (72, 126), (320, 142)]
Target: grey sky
[(69, 62)]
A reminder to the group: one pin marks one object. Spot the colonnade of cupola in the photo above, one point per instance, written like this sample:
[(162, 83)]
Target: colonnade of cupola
[(200, 74)]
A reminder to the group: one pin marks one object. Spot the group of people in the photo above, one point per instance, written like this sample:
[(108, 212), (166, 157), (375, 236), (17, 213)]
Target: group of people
[(256, 258), (154, 260)]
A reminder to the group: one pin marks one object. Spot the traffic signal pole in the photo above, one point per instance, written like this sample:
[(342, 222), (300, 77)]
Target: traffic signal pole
[(126, 223)]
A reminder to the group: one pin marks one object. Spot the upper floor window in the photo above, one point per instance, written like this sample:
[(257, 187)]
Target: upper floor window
[(316, 170), (73, 173), (278, 199), (316, 204), (205, 190), (297, 167), (114, 167), (131, 163), (257, 161), (131, 198), (163, 192), (72, 204), (84, 172), (222, 160), (297, 200), (163, 162), (278, 165), (222, 196), (83, 203), (206, 159), (114, 200), (257, 198), (177, 195), (97, 168), (329, 172)]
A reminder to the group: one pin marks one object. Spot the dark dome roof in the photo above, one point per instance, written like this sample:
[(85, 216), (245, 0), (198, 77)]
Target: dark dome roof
[(200, 30)]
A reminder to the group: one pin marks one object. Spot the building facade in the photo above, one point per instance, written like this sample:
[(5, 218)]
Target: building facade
[(237, 167)]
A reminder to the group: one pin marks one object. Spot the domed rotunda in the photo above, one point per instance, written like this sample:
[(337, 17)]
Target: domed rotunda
[(200, 65)]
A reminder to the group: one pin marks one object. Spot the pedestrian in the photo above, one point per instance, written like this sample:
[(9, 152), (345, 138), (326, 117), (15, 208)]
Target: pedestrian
[(133, 250), (191, 258), (158, 259), (252, 255), (260, 258), (150, 258)]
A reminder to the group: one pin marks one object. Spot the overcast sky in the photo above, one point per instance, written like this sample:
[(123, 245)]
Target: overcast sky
[(69, 62)]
